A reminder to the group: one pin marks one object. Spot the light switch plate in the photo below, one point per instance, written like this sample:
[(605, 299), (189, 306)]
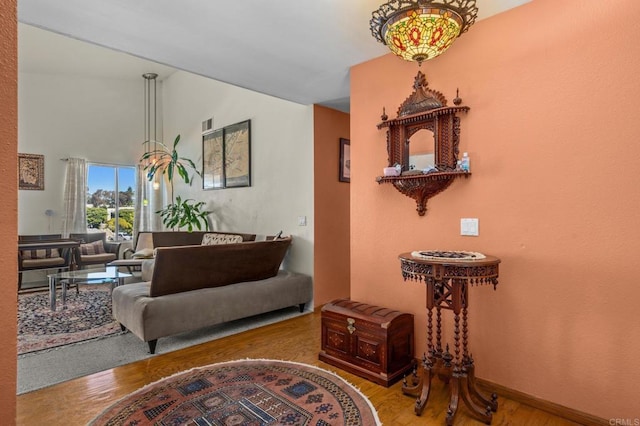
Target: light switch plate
[(302, 221), (469, 226)]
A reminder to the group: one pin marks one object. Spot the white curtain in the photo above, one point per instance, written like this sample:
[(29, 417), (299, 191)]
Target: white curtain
[(143, 213), (75, 197)]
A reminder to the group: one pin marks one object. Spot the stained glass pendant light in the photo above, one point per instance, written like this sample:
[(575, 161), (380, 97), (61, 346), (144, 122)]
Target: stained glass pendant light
[(418, 30)]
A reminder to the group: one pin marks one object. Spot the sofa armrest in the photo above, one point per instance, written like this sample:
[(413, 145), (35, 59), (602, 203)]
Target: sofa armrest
[(112, 247)]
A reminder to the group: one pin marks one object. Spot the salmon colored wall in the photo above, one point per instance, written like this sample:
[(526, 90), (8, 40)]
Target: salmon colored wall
[(331, 205), (553, 136), (8, 218)]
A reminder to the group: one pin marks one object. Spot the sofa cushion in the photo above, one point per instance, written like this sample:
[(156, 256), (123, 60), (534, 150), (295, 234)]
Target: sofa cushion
[(96, 247), (154, 317), (43, 263), (98, 258), (214, 266), (214, 239)]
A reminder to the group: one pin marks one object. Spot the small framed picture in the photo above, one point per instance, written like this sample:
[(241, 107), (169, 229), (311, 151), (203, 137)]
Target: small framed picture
[(31, 171), (345, 160)]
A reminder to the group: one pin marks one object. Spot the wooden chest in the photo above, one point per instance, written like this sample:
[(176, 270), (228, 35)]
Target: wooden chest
[(370, 341)]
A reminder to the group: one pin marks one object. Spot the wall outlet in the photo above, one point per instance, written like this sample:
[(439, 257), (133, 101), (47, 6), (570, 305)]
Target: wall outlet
[(302, 221), (469, 226)]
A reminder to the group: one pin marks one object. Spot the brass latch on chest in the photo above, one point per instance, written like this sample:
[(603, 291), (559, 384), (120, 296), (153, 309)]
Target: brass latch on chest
[(350, 327)]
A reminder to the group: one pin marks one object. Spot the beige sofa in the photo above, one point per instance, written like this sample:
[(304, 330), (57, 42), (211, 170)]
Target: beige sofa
[(192, 287)]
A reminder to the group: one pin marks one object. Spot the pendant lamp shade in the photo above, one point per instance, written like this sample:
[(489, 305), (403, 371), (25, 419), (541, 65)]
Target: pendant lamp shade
[(418, 30)]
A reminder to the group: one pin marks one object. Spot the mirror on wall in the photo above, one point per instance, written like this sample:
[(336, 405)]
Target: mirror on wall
[(421, 150)]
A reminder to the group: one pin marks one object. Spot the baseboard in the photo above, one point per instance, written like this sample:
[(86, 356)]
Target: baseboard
[(541, 404)]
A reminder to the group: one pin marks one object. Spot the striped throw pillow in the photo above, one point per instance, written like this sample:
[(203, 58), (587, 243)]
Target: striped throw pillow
[(96, 247), (40, 254)]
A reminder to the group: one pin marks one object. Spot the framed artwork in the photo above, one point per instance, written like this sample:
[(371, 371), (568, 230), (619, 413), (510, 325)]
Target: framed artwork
[(31, 171), (213, 160), (345, 160), (237, 154), (226, 157)]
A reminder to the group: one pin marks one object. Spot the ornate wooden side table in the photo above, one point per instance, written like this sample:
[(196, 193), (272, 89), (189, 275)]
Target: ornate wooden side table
[(448, 280)]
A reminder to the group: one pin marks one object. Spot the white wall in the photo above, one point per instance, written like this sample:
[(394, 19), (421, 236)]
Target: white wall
[(281, 159), (62, 115)]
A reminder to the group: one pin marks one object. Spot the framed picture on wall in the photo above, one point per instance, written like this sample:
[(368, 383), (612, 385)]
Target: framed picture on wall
[(226, 157), (345, 160), (213, 160), (237, 154), (31, 171)]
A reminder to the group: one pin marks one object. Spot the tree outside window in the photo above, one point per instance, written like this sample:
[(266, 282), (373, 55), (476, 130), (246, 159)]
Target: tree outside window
[(106, 201)]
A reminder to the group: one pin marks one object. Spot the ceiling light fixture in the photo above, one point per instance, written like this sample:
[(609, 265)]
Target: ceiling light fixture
[(417, 30)]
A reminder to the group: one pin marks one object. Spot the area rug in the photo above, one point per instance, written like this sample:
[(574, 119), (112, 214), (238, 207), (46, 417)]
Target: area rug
[(87, 316), (245, 392)]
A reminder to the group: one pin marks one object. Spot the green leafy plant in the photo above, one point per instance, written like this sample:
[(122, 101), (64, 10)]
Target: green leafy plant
[(165, 161), (185, 213)]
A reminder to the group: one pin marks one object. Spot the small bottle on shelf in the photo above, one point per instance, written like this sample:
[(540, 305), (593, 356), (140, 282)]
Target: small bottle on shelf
[(464, 163)]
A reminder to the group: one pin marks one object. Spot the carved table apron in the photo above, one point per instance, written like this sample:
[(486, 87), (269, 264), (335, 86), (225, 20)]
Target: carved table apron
[(447, 282)]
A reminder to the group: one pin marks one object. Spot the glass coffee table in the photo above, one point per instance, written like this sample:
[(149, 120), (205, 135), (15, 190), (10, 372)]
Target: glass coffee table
[(83, 276)]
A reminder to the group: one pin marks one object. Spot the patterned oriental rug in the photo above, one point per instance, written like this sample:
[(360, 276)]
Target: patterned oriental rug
[(245, 393), (87, 316)]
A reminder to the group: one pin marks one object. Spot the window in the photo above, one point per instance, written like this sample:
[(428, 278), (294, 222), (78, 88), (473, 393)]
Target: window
[(104, 206)]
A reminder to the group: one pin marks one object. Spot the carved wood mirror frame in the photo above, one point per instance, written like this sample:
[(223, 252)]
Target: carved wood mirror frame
[(424, 109)]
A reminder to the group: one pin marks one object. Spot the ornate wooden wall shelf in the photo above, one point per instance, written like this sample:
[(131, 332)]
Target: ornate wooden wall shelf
[(422, 187), (424, 109)]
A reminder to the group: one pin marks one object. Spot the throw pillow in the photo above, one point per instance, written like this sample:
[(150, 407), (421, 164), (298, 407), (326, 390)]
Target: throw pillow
[(40, 254), (145, 253), (96, 247), (215, 239)]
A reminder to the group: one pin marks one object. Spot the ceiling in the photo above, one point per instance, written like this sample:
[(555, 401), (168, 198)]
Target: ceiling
[(296, 50)]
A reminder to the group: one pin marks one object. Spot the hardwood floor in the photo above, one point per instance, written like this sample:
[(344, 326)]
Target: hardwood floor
[(77, 401)]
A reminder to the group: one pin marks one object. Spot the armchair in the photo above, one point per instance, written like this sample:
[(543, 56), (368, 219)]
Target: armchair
[(143, 248), (132, 257), (95, 249)]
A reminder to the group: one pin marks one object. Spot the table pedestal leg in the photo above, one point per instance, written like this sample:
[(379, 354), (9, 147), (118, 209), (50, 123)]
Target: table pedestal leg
[(117, 283), (420, 387), (436, 364), (491, 402), (460, 390), (64, 284), (52, 293)]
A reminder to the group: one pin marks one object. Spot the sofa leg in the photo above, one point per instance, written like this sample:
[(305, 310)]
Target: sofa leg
[(152, 346), (123, 328), (302, 307)]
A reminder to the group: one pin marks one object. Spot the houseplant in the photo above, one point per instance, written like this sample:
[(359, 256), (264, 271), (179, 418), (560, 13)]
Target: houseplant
[(163, 160)]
